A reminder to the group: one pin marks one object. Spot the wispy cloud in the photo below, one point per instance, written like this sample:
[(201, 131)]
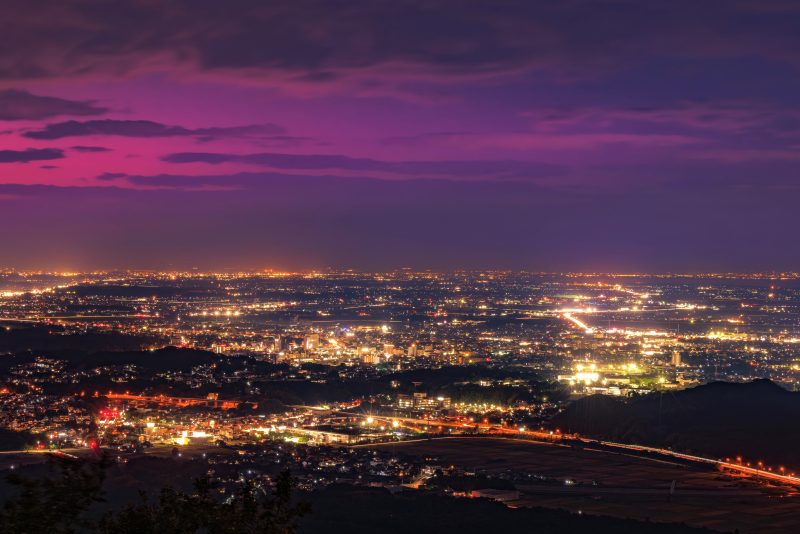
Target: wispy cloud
[(145, 128), (17, 105), (449, 169)]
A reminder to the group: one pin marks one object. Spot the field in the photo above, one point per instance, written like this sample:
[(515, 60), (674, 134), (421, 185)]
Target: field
[(603, 483)]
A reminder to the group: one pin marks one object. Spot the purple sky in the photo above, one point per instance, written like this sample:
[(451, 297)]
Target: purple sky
[(579, 135)]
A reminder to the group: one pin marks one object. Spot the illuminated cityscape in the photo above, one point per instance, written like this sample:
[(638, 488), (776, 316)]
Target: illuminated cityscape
[(325, 370), (363, 266)]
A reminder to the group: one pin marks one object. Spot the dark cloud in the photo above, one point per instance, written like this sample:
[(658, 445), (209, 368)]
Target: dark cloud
[(451, 169), (30, 154), (319, 40), (22, 105), (110, 176), (84, 148), (143, 128)]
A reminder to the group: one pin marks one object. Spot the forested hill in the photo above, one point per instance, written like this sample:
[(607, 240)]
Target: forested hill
[(756, 420)]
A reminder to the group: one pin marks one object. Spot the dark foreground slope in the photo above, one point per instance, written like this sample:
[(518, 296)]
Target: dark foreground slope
[(357, 510), (757, 420), (80, 496)]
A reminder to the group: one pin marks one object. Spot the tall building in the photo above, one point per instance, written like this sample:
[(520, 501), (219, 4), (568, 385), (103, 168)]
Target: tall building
[(371, 358), (311, 341), (676, 358)]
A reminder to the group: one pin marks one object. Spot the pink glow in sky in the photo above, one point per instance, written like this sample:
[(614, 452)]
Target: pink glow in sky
[(528, 134)]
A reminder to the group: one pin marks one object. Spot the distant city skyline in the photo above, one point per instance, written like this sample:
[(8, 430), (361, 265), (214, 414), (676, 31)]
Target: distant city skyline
[(577, 136)]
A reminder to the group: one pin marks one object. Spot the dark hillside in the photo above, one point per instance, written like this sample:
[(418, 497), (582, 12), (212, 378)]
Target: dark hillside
[(756, 420)]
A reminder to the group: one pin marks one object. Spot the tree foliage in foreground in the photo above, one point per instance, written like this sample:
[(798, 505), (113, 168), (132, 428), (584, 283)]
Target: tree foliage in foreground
[(54, 504), (59, 505)]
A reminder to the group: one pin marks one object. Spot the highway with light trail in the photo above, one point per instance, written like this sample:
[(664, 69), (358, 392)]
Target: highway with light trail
[(556, 437)]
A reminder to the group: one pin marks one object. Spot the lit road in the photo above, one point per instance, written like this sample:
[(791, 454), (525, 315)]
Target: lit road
[(467, 425), (556, 437), (577, 322), (166, 400), (730, 466)]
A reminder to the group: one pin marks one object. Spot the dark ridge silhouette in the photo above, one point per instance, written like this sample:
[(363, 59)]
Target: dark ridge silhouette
[(161, 360), (166, 359), (443, 376), (755, 420), (17, 338)]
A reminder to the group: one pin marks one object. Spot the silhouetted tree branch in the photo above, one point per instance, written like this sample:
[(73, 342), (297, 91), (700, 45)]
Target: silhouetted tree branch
[(58, 505)]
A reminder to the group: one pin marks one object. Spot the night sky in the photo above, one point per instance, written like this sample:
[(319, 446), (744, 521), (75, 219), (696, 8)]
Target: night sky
[(568, 135)]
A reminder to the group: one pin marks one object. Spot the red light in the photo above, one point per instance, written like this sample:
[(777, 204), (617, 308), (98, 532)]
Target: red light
[(93, 444)]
